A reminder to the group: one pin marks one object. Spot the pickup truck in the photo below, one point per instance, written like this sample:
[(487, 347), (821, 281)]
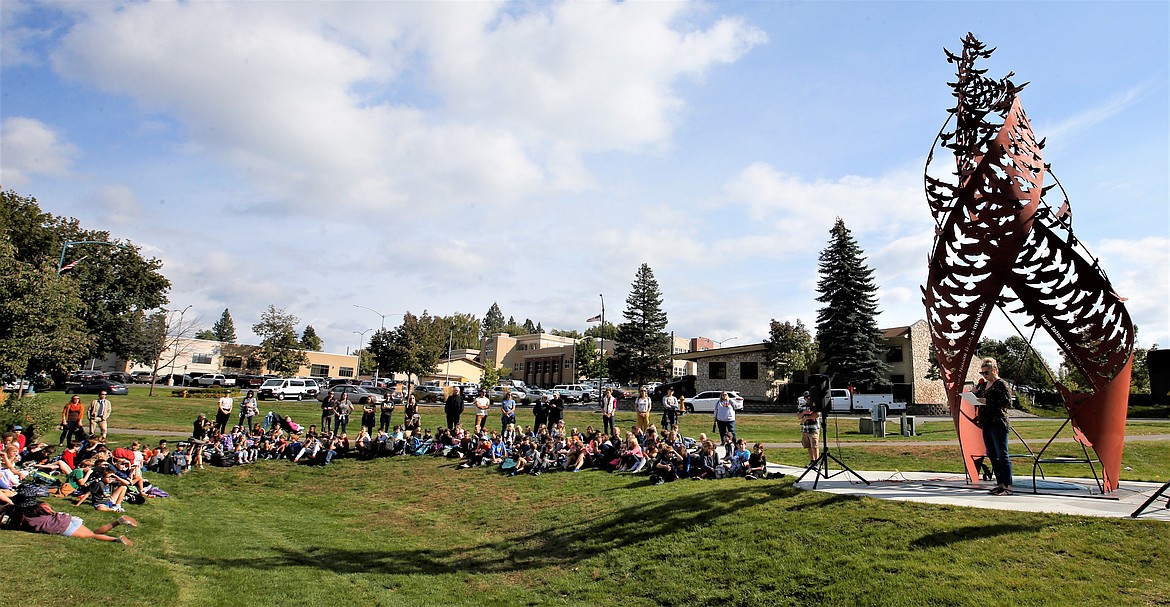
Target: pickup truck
[(215, 379), (845, 402)]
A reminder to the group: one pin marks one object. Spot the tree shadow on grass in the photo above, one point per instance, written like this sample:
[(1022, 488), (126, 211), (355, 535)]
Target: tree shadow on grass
[(966, 534), (557, 545)]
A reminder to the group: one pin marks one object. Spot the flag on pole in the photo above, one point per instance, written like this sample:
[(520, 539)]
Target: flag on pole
[(69, 266), (595, 319)]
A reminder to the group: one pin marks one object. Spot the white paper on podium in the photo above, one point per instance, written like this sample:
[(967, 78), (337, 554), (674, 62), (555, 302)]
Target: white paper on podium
[(970, 398)]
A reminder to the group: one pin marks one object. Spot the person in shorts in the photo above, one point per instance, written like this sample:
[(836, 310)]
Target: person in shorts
[(810, 429), (25, 512)]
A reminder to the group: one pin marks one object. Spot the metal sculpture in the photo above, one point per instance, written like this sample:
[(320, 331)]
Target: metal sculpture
[(998, 244)]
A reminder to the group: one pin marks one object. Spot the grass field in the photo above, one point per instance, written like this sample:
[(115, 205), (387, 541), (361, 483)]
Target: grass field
[(417, 531)]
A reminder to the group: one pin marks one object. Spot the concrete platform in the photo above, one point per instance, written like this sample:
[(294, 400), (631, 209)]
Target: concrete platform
[(1056, 495)]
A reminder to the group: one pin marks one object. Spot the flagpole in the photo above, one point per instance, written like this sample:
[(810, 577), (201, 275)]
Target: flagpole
[(601, 368)]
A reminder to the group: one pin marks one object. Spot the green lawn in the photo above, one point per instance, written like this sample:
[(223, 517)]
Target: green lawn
[(416, 531)]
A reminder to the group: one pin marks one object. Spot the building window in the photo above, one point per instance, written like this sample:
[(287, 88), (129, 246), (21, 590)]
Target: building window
[(319, 370), (894, 354), (568, 364), (897, 379), (717, 370), (345, 371), (233, 362), (749, 370), (201, 359)]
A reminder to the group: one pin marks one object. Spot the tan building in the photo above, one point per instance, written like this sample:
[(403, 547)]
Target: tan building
[(203, 356), (744, 368), (538, 359)]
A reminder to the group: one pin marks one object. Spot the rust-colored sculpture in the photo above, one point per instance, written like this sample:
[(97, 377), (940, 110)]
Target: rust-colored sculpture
[(998, 243)]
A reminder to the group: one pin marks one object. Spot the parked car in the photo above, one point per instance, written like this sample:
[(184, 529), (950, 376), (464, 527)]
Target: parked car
[(357, 395), (574, 392), (99, 385), (534, 393), (497, 393), (83, 375), (215, 379), (704, 402), (284, 389), (428, 394), (250, 382), (140, 377), (682, 386), (11, 384)]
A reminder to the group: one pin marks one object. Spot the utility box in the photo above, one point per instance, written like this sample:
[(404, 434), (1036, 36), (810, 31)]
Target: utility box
[(865, 425), (909, 425), (879, 419)]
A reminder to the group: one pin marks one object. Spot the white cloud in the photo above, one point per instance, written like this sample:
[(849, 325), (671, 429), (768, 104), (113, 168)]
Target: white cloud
[(31, 147), (309, 100), (1068, 128), (1138, 271)]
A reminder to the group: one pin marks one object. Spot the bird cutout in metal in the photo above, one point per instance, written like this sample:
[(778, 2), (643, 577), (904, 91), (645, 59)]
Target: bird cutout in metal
[(999, 244)]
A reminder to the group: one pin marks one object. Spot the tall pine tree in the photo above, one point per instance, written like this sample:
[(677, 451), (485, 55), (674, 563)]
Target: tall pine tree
[(493, 321), (310, 340), (847, 331), (224, 328), (643, 347)]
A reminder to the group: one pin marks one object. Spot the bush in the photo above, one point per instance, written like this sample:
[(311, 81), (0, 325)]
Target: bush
[(212, 392), (35, 412)]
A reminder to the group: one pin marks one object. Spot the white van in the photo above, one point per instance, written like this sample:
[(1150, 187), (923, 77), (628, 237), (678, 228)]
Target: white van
[(574, 392), (283, 389)]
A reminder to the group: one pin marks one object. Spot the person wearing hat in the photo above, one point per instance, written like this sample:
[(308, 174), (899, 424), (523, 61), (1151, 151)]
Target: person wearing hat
[(26, 512)]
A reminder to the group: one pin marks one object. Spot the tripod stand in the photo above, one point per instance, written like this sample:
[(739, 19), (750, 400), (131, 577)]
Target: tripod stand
[(821, 465)]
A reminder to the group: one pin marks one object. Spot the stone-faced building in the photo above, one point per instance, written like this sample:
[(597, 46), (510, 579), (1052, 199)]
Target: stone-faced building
[(739, 368)]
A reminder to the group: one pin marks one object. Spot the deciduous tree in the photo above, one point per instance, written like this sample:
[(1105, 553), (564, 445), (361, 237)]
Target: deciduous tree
[(791, 348), (279, 347)]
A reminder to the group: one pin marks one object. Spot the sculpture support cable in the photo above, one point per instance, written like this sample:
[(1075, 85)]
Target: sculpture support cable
[(999, 244)]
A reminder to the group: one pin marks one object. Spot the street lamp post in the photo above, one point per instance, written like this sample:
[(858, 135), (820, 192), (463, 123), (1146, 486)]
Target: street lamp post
[(377, 370), (601, 367), (720, 341), (361, 337), (70, 243)]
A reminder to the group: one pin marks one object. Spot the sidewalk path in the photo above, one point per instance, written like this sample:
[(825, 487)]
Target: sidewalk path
[(951, 442)]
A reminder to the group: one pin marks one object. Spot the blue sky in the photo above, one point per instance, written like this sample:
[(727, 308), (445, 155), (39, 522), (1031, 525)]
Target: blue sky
[(444, 156)]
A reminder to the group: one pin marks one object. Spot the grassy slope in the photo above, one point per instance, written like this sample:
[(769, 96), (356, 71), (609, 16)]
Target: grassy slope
[(411, 531)]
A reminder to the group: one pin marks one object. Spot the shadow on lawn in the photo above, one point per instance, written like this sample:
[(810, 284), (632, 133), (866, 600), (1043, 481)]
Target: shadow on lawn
[(558, 545), (965, 534)]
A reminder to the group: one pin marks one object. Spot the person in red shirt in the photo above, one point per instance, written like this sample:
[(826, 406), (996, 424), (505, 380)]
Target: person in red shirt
[(71, 421)]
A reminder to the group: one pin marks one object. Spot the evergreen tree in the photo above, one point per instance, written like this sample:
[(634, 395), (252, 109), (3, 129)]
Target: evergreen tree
[(225, 329), (643, 347), (493, 321), (529, 326), (847, 332), (309, 339), (206, 335), (539, 329)]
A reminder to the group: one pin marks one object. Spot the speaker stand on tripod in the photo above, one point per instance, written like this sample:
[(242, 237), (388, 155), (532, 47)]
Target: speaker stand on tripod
[(821, 465)]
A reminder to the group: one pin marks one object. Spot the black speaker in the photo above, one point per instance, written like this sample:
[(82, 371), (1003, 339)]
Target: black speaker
[(818, 391)]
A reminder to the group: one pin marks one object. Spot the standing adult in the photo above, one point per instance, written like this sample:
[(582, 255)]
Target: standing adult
[(249, 409), (368, 411), (642, 409), (386, 415), (453, 407), (995, 397), (328, 409), (224, 412), (482, 405), (540, 412), (98, 413), (810, 428), (411, 407), (725, 416), (556, 410), (343, 408), (71, 421), (670, 408), (507, 411), (608, 410)]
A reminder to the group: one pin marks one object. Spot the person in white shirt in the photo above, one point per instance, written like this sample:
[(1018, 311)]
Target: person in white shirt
[(608, 409), (482, 404), (226, 404), (642, 409), (670, 410)]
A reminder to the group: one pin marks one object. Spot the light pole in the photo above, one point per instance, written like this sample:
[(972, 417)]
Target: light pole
[(361, 337), (720, 342), (70, 243), (601, 367), (377, 370)]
